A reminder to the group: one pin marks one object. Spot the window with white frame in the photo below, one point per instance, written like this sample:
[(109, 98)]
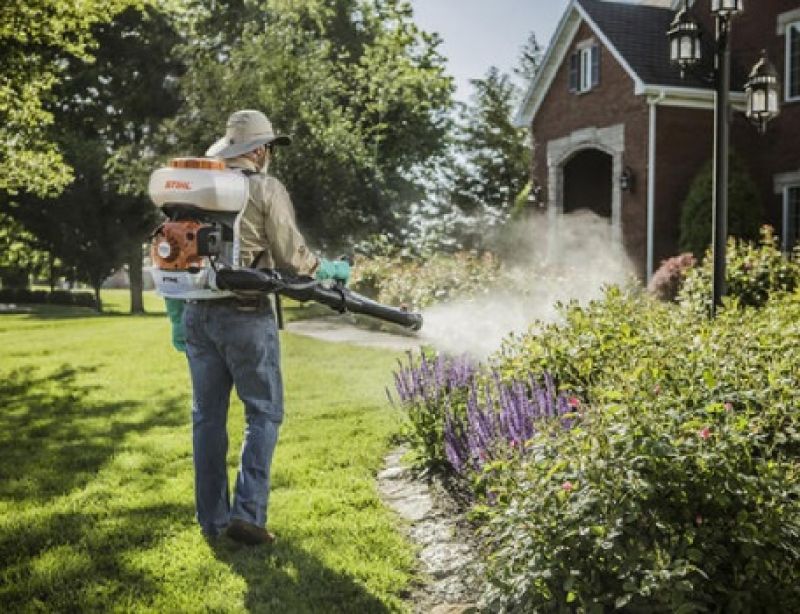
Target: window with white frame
[(793, 61), (584, 68)]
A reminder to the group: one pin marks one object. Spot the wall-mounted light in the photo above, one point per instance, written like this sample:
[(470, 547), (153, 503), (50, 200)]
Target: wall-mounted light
[(626, 179)]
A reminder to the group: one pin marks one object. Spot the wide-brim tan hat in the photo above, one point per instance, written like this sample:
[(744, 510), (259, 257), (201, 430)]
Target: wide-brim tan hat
[(245, 131)]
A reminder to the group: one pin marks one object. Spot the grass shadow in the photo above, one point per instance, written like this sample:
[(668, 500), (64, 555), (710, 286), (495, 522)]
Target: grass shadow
[(286, 578), (54, 438), (79, 562)]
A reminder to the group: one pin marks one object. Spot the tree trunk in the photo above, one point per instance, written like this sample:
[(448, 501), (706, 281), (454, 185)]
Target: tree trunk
[(98, 301), (135, 278), (51, 265)]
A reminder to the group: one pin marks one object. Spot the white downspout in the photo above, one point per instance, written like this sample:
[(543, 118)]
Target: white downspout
[(651, 185)]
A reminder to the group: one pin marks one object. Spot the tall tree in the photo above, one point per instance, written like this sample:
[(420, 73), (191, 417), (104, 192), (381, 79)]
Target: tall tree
[(360, 88), (493, 158), (35, 37), (530, 58), (106, 115)]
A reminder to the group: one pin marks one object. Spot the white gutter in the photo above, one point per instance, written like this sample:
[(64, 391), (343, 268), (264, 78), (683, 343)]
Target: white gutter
[(651, 184)]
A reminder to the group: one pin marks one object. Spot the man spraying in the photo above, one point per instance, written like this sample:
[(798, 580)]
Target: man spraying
[(232, 340)]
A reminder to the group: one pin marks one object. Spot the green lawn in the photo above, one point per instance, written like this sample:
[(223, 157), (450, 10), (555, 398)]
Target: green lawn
[(96, 505)]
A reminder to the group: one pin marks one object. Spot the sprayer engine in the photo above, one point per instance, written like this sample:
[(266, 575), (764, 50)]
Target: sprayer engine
[(182, 245), (201, 199)]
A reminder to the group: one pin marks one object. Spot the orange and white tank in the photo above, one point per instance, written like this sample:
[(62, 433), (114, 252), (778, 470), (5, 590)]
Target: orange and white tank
[(204, 183)]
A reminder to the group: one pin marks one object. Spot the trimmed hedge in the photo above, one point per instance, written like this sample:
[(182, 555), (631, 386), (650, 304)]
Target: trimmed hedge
[(44, 297)]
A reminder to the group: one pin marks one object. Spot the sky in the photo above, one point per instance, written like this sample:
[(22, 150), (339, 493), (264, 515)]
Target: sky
[(479, 34)]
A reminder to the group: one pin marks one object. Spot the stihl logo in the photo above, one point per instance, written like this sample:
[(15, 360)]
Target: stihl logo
[(174, 184)]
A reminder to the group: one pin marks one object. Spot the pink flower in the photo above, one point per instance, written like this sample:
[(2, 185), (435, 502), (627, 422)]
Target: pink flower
[(705, 433), (567, 486), (574, 402), (698, 520), (728, 406), (657, 389)]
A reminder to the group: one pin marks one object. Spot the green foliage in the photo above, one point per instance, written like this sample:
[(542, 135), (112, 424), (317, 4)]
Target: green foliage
[(35, 38), (744, 208), (360, 88), (494, 162), (20, 256), (107, 111), (754, 273), (418, 283), (678, 488)]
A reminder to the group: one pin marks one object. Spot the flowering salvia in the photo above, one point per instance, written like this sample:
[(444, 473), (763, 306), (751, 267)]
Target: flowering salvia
[(500, 416)]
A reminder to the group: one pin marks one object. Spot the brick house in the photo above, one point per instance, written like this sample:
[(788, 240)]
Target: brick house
[(617, 130)]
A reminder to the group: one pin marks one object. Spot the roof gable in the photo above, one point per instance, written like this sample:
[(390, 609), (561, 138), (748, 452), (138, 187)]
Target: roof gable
[(635, 35)]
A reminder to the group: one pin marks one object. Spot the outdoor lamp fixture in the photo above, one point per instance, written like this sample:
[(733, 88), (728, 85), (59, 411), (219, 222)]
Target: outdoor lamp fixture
[(762, 105), (726, 8), (626, 179), (684, 40), (762, 93)]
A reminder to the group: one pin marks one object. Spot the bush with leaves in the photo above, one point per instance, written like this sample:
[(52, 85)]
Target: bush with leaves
[(420, 282), (744, 207), (755, 272), (678, 488), (461, 417)]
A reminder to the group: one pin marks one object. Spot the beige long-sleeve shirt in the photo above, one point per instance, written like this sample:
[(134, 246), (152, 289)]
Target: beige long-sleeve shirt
[(268, 225)]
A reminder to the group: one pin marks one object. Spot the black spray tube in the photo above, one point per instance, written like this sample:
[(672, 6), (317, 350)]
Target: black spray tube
[(304, 289)]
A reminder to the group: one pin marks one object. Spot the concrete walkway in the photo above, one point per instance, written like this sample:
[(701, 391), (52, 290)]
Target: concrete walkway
[(341, 329)]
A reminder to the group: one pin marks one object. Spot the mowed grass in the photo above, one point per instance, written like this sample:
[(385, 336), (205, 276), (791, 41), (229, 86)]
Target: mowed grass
[(96, 495)]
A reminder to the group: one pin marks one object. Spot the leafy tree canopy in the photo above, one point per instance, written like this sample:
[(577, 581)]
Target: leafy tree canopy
[(35, 37), (360, 88), (496, 157)]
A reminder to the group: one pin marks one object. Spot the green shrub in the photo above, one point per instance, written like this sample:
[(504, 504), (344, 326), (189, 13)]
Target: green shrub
[(744, 208), (754, 273), (678, 488), (419, 283)]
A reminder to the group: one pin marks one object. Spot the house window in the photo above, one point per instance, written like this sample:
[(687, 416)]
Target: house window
[(791, 213), (584, 68), (793, 61)]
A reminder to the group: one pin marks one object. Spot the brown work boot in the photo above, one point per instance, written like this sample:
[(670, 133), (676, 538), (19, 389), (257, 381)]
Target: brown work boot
[(250, 534)]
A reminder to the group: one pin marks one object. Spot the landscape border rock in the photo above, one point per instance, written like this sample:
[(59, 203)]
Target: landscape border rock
[(449, 565)]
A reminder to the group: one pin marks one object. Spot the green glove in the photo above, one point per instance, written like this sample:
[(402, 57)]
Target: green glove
[(333, 269), (175, 312)]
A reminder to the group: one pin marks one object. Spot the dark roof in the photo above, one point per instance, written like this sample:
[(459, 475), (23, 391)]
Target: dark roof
[(639, 34)]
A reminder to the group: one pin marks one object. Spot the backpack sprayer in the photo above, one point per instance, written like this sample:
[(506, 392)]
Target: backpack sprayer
[(196, 249)]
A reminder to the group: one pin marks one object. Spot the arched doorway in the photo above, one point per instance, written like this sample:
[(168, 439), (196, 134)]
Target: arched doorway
[(588, 182)]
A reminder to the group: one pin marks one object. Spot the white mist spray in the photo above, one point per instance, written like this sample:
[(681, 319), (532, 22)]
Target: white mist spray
[(581, 259)]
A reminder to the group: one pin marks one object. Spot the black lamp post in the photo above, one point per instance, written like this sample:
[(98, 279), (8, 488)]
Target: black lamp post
[(762, 105)]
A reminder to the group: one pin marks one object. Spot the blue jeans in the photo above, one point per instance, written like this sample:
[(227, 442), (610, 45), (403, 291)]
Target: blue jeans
[(228, 347)]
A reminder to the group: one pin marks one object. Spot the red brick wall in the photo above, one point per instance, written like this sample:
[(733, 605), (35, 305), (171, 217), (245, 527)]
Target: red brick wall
[(685, 136), (684, 142), (778, 151), (611, 102)]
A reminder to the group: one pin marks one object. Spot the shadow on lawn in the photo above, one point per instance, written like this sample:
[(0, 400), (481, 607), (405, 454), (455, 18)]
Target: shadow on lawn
[(79, 562), (53, 438), (286, 578)]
